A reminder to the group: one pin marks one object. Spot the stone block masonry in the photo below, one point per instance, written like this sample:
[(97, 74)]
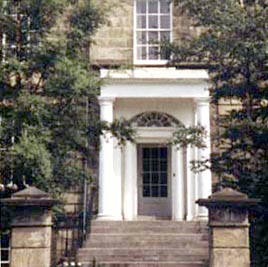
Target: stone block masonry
[(30, 228), (228, 228)]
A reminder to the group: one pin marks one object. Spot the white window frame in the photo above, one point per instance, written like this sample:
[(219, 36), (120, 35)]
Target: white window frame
[(148, 61), (5, 44)]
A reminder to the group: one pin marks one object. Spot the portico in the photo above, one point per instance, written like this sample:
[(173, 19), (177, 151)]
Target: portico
[(150, 178)]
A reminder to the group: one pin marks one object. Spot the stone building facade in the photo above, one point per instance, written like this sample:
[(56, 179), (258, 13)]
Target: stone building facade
[(149, 178), (114, 42)]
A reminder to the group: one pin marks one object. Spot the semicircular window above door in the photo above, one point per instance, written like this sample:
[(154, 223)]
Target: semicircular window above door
[(154, 119)]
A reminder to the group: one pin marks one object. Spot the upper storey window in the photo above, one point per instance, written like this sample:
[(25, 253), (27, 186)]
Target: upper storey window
[(153, 22), (22, 34)]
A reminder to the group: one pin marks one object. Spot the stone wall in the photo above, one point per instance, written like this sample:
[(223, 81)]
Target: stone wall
[(113, 43)]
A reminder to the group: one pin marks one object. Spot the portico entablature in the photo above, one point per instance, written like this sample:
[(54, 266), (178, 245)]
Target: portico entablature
[(155, 83)]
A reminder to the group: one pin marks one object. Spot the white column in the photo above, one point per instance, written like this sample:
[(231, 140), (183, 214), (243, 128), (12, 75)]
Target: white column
[(130, 182), (190, 185), (178, 185), (109, 187), (204, 178)]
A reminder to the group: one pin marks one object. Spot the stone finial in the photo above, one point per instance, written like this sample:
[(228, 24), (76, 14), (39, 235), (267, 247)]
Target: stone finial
[(228, 197), (31, 196), (228, 193), (31, 192)]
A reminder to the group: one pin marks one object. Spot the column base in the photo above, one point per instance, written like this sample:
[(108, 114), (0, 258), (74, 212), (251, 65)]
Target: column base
[(189, 218), (105, 217), (202, 217), (178, 218), (202, 214)]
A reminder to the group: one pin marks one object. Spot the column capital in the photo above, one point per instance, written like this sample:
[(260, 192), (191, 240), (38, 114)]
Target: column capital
[(106, 108), (202, 101), (105, 100)]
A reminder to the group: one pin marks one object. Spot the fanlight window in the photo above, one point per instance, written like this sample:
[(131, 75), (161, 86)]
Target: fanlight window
[(154, 119)]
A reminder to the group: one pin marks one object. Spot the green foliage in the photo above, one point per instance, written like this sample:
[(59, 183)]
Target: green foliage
[(48, 94), (84, 20), (189, 136), (121, 130), (233, 44)]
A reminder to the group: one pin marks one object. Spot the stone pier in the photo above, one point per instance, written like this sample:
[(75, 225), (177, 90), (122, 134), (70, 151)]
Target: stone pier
[(30, 228), (228, 228)]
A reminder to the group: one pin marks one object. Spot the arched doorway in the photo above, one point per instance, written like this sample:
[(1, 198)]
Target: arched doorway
[(154, 164)]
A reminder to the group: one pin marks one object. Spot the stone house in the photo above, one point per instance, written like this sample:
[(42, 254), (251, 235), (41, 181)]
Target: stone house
[(150, 177), (147, 190)]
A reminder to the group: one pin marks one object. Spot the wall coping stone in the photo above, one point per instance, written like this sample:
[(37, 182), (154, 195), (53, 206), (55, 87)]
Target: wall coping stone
[(31, 196), (228, 197)]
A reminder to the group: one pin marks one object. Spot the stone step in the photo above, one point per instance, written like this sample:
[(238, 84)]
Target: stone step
[(158, 258), (141, 251), (177, 240), (150, 224), (143, 255), (145, 244), (147, 229), (145, 264), (152, 245)]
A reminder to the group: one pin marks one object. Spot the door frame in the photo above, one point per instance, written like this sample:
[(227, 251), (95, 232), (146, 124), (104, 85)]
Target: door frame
[(165, 202), (179, 178)]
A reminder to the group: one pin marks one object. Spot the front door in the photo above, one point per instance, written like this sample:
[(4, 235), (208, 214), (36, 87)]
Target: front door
[(154, 193)]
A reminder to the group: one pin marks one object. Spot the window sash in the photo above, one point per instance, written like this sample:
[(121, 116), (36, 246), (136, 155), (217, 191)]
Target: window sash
[(155, 172), (145, 27), (27, 35)]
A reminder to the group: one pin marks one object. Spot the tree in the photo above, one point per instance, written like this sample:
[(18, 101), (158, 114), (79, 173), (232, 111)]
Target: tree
[(234, 47), (48, 94)]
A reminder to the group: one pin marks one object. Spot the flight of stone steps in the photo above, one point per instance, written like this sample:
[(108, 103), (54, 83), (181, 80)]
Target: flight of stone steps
[(145, 244)]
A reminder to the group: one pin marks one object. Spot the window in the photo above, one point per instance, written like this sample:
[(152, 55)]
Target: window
[(155, 171), (154, 119), (21, 34), (4, 250), (153, 24)]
